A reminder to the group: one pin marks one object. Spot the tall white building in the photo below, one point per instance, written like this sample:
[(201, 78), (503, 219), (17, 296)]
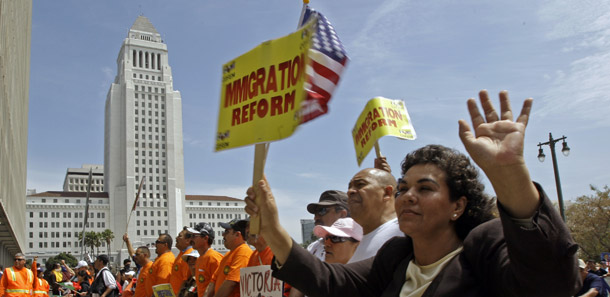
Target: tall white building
[(143, 139)]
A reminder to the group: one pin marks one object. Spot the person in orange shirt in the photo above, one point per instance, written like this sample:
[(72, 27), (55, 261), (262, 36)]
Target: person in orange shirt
[(202, 237), (130, 281), (143, 286), (225, 282), (180, 269), (162, 267), (262, 254), (17, 281), (41, 285)]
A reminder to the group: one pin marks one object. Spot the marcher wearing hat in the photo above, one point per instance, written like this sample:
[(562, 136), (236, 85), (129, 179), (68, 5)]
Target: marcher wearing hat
[(104, 283), (592, 284), (128, 283), (340, 240), (180, 270), (202, 237), (41, 286), (225, 281), (189, 287), (83, 266), (331, 206)]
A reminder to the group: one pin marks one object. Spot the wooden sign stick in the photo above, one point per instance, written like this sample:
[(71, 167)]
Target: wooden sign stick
[(260, 156), (377, 150)]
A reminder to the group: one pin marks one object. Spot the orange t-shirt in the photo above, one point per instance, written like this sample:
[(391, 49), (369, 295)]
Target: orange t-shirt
[(230, 265), (16, 283), (144, 284), (263, 258), (206, 267), (41, 286), (180, 271), (162, 268)]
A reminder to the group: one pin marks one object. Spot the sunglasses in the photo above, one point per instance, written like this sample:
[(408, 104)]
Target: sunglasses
[(19, 259), (159, 242), (321, 211), (338, 239)]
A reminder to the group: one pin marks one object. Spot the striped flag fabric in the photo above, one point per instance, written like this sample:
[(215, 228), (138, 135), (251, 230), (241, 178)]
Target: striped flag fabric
[(327, 59)]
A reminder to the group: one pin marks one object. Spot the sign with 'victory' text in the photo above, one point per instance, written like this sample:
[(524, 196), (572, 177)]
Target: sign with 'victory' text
[(262, 91), (380, 117), (257, 281)]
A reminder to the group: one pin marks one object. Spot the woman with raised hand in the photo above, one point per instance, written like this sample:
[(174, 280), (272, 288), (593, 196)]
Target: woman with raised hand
[(453, 245)]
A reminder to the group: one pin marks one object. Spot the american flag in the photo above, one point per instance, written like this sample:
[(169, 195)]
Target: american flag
[(327, 59)]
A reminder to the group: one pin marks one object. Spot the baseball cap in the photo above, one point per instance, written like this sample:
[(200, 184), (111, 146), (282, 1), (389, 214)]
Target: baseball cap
[(330, 197), (581, 264), (194, 253), (81, 264), (237, 225), (130, 273), (343, 227), (202, 228)]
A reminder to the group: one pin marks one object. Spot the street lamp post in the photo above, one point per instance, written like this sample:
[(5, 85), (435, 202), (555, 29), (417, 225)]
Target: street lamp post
[(566, 151)]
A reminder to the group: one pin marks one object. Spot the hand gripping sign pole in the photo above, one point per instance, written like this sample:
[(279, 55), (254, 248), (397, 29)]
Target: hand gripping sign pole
[(260, 156)]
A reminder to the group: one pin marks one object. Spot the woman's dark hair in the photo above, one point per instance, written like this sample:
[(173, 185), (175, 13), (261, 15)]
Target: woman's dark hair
[(462, 178), (84, 275)]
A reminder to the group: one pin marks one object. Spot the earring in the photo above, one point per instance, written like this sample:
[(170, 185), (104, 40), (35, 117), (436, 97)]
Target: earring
[(455, 215)]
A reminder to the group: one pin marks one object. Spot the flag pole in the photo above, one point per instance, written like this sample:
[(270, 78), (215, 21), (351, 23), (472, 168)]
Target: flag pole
[(82, 254), (135, 204)]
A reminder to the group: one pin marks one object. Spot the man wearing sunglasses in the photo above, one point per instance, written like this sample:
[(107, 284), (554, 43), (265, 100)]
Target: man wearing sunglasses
[(17, 281), (180, 269), (202, 238), (162, 266), (141, 257), (331, 207), (225, 281)]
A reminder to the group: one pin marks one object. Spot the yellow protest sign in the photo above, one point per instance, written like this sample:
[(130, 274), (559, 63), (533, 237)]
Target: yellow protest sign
[(381, 117), (262, 91)]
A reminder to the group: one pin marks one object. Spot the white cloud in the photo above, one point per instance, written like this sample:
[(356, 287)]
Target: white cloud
[(582, 89)]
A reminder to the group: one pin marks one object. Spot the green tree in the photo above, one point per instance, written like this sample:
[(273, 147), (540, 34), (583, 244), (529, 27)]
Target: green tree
[(589, 221), (107, 236), (70, 260), (92, 240)]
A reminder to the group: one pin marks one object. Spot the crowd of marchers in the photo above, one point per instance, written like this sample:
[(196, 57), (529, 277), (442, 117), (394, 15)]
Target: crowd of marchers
[(431, 232)]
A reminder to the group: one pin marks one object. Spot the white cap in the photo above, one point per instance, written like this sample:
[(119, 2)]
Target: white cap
[(130, 273), (581, 264), (343, 227), (194, 253), (81, 264)]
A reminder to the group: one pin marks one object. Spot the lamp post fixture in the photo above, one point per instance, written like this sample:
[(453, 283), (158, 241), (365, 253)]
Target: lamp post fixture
[(566, 151)]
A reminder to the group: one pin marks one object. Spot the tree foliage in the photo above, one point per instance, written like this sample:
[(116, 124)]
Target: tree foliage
[(70, 260), (107, 236), (589, 221)]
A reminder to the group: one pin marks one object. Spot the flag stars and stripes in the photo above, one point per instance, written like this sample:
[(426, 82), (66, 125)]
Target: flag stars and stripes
[(327, 61)]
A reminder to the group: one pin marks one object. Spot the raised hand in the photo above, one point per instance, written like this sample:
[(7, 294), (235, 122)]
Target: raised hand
[(497, 147), (497, 139), (260, 202)]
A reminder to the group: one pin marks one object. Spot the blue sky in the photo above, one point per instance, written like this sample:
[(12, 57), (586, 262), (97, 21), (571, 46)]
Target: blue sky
[(432, 54)]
